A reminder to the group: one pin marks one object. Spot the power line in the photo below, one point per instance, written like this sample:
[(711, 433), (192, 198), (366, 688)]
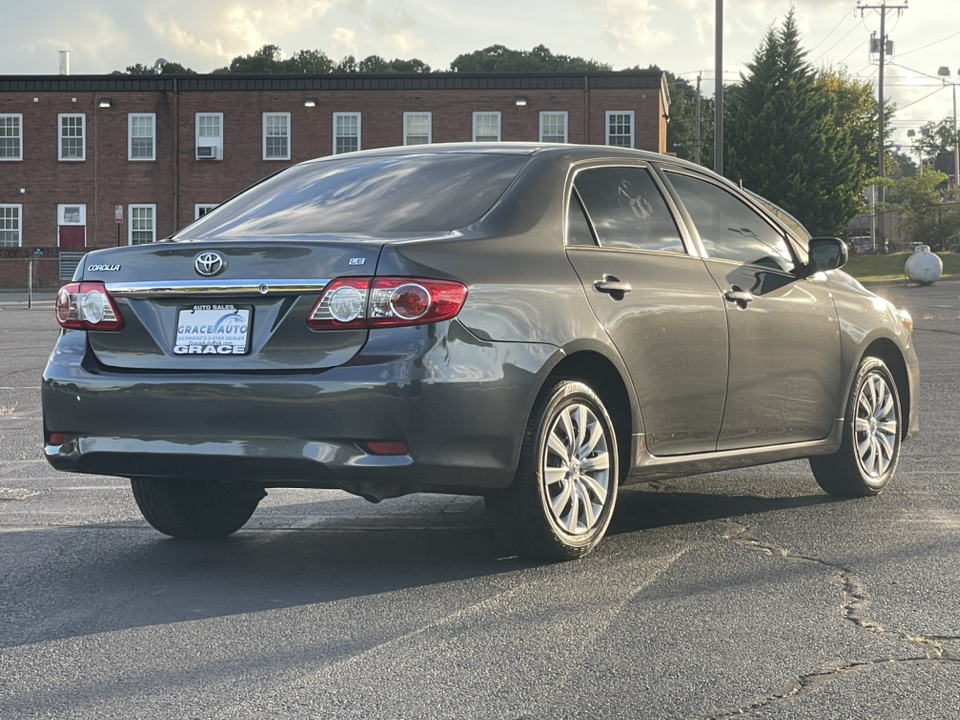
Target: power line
[(837, 43), (935, 42), (845, 16)]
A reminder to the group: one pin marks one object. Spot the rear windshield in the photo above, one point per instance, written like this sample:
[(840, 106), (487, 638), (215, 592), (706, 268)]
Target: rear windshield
[(379, 194)]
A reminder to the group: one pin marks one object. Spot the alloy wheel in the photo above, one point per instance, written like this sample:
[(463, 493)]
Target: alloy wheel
[(576, 470), (876, 426)]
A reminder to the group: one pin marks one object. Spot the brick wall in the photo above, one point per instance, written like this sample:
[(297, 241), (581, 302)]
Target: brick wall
[(176, 181)]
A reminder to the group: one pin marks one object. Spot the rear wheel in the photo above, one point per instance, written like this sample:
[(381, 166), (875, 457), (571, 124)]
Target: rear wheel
[(195, 509), (564, 493), (870, 452)]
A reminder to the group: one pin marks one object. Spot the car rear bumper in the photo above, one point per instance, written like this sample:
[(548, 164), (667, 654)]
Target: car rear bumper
[(459, 404)]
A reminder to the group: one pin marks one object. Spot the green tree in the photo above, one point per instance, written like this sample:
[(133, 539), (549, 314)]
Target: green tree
[(498, 58), (265, 61), (923, 217), (786, 138), (170, 68), (308, 62)]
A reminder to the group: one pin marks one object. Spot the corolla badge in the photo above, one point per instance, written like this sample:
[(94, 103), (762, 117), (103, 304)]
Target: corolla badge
[(209, 264)]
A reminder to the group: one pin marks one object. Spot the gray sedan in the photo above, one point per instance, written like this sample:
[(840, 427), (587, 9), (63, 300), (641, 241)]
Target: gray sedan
[(537, 324)]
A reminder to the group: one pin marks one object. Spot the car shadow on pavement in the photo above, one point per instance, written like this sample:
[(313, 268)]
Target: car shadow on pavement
[(644, 507), (130, 576)]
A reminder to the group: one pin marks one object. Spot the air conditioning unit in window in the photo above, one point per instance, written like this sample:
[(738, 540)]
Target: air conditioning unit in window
[(209, 148)]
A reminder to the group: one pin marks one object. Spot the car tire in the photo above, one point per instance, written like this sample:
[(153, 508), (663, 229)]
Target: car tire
[(565, 489), (195, 509), (870, 450)]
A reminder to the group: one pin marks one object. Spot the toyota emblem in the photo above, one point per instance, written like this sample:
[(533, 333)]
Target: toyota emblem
[(209, 263)]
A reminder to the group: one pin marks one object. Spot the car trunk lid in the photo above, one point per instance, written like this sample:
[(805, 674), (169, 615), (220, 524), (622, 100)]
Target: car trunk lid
[(227, 304)]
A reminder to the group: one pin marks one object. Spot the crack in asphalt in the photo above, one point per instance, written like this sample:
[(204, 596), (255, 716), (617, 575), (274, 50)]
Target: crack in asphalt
[(811, 681), (853, 607)]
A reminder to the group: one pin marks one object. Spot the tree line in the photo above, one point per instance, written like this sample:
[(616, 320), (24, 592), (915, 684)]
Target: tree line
[(804, 138)]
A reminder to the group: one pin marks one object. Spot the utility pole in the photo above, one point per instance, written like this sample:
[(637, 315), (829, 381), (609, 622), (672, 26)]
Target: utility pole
[(883, 8), (718, 95), (696, 147)]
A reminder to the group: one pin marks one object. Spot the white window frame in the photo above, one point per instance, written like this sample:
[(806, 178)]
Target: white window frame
[(289, 135), (342, 115), (206, 207), (130, 221), (478, 115), (566, 119), (83, 137), (633, 126), (19, 136), (153, 136), (406, 126), (62, 211), (18, 220), (209, 139)]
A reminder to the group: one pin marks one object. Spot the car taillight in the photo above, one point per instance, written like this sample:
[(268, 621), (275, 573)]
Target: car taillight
[(371, 302), (87, 306)]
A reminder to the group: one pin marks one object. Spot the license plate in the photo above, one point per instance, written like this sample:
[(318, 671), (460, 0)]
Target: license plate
[(212, 330)]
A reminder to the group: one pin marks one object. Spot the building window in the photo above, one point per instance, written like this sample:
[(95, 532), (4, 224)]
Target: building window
[(417, 128), (11, 137), (143, 224), (553, 127), (276, 136), (486, 127), (346, 132), (210, 136), (11, 234), (620, 128), (73, 145), (201, 209), (142, 136)]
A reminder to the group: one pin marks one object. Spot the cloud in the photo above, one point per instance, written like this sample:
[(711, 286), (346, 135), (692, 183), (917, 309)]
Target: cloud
[(397, 28), (223, 30), (631, 24), (344, 42)]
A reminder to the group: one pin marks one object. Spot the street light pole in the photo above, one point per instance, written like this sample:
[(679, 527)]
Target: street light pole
[(944, 73)]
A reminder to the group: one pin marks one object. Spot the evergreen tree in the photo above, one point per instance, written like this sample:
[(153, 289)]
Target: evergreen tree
[(787, 140)]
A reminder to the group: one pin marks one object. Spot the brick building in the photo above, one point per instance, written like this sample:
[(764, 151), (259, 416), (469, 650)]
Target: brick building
[(77, 151)]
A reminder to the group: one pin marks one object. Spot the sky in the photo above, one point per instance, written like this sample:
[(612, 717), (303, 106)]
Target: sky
[(676, 35)]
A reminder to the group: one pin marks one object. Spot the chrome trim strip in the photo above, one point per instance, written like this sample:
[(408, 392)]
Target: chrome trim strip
[(216, 287)]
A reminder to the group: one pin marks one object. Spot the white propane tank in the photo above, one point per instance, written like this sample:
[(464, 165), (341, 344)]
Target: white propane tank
[(923, 267)]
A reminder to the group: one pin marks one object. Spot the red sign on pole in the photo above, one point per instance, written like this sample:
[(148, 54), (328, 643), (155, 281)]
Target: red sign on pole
[(118, 214)]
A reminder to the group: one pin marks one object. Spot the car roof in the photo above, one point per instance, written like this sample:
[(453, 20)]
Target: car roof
[(571, 151)]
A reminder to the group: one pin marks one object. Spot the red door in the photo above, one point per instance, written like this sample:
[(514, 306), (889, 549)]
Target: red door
[(73, 237)]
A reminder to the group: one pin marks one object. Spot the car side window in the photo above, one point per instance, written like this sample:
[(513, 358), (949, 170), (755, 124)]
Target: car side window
[(578, 229), (729, 228), (627, 209)]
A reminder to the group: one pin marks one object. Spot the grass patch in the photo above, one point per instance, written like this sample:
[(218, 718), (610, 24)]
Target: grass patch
[(889, 268)]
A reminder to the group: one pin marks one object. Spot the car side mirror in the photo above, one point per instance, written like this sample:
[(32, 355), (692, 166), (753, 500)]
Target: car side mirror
[(826, 253)]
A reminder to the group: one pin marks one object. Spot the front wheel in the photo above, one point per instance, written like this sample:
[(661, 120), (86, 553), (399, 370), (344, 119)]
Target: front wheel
[(870, 452), (564, 493), (195, 509)]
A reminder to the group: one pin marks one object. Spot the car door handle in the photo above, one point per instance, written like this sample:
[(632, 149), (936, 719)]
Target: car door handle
[(612, 286), (738, 295)]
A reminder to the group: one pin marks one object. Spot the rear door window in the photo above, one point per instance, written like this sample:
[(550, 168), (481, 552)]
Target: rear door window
[(627, 209)]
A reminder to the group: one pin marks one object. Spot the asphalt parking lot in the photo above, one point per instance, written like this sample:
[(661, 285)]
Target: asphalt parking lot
[(741, 593)]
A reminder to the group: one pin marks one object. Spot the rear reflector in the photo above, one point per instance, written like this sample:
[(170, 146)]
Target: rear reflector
[(387, 448), (56, 438), (372, 302), (87, 306)]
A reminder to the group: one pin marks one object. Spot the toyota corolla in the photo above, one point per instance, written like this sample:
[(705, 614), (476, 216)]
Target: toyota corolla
[(536, 324)]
